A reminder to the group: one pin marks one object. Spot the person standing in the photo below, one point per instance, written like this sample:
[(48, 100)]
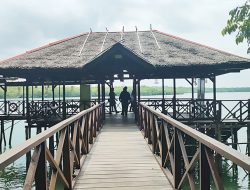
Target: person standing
[(112, 100), (124, 99), (133, 101)]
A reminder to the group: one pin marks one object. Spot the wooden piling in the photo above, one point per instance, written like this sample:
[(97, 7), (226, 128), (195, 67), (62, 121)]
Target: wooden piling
[(11, 132), (248, 139)]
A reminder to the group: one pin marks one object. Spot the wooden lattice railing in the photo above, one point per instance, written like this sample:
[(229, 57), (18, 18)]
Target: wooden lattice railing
[(185, 152), (75, 138)]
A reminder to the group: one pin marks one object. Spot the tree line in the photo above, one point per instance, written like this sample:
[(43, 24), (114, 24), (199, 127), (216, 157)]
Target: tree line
[(74, 91)]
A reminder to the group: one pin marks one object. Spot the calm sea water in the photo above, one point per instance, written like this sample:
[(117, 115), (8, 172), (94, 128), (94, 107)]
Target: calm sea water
[(13, 176)]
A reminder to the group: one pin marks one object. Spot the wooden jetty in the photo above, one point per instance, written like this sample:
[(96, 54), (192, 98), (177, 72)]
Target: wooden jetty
[(186, 136), (121, 159)]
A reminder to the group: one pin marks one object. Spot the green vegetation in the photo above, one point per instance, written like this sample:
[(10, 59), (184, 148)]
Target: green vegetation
[(239, 22), (74, 91)]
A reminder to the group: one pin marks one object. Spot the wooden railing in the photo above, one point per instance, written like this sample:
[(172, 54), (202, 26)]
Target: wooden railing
[(75, 138), (180, 148), (46, 108), (202, 109)]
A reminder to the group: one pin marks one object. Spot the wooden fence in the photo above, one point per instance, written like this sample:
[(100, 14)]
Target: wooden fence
[(75, 138), (183, 150)]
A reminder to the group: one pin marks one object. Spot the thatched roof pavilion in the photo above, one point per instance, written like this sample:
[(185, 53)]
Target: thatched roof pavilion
[(141, 54)]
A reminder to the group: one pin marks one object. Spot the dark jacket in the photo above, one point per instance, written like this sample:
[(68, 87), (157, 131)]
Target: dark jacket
[(124, 97)]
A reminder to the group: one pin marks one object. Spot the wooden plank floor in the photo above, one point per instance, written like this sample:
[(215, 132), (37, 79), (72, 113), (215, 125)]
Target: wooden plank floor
[(120, 159)]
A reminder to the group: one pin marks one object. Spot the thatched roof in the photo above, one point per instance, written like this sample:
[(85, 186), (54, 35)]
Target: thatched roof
[(168, 56)]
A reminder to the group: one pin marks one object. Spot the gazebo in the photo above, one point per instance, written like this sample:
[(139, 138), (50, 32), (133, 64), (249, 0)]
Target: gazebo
[(102, 57)]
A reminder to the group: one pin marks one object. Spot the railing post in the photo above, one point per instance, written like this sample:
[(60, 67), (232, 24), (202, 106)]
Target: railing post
[(66, 159), (153, 132), (248, 108), (41, 171), (98, 119), (142, 118), (241, 111), (219, 111), (163, 105), (145, 123), (174, 108), (90, 126), (177, 160), (77, 145), (94, 122), (204, 169), (85, 150), (150, 126), (163, 143)]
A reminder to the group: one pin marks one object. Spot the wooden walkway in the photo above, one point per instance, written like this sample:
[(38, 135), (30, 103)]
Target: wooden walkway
[(121, 159)]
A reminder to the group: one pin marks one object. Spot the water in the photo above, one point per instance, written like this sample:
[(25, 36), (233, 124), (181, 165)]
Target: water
[(14, 175)]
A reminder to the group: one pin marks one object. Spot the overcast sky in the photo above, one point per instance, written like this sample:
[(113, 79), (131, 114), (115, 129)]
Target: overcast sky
[(27, 24)]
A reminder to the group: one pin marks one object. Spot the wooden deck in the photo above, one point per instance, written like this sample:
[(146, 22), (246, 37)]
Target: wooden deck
[(121, 159)]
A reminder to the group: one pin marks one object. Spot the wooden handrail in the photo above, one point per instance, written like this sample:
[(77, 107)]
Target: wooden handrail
[(224, 150), (80, 127), (149, 122)]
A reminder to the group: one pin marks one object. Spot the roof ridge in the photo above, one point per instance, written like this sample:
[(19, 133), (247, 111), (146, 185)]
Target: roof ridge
[(196, 43), (41, 47)]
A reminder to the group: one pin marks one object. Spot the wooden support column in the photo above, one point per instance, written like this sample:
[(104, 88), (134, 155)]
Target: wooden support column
[(201, 96), (32, 92), (66, 159), (139, 90), (11, 131), (41, 171), (201, 88), (174, 98), (24, 110), (163, 96), (103, 99), (53, 91), (64, 101), (235, 146), (28, 154), (28, 127), (248, 139), (192, 86), (59, 92), (134, 104), (134, 89), (99, 92), (110, 86), (204, 170), (218, 133), (1, 135), (5, 98), (235, 139), (85, 96), (27, 103), (214, 87), (42, 91), (214, 98)]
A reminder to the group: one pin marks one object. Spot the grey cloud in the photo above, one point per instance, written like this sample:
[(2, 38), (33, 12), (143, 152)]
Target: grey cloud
[(28, 24)]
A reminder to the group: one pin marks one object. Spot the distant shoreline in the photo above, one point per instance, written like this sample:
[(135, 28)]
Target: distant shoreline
[(74, 91)]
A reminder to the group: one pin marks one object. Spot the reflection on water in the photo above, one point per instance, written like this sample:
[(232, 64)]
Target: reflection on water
[(13, 176)]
